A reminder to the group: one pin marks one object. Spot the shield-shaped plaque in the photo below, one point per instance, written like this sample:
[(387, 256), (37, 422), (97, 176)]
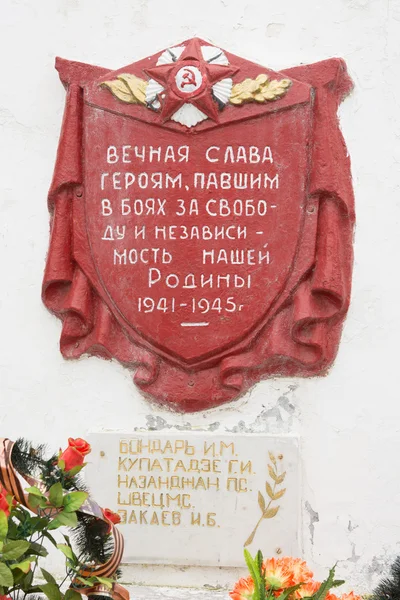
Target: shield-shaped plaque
[(202, 217)]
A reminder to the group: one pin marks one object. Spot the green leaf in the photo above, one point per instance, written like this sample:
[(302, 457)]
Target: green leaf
[(50, 537), (259, 560), (14, 549), (3, 525), (105, 581), (286, 593), (26, 583), (39, 523), (74, 500), (73, 472), (6, 576), (327, 585), (249, 563), (72, 595), (20, 513), (66, 550), (338, 582), (64, 519), (48, 576), (35, 501), (88, 581), (51, 590), (56, 495), (254, 572), (259, 563), (13, 531), (35, 491), (23, 566), (38, 549), (18, 577)]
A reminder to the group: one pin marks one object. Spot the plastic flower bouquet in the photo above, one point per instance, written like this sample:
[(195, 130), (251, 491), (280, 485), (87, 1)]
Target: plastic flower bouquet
[(54, 498), (284, 578)]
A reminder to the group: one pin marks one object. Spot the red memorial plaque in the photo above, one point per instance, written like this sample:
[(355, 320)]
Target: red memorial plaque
[(201, 221)]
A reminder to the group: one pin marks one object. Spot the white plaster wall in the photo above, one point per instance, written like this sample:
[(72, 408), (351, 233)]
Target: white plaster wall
[(350, 420)]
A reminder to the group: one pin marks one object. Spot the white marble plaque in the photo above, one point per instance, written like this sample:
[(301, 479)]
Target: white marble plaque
[(194, 498)]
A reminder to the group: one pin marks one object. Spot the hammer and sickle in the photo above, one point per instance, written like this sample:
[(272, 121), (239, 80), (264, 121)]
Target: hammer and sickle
[(189, 77)]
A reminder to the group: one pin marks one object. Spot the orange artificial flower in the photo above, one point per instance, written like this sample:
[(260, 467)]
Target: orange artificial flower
[(300, 570), (350, 596), (308, 589), (243, 590), (74, 455), (277, 573), (111, 517)]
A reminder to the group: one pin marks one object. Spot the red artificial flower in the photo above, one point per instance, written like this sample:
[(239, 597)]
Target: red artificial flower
[(111, 517), (74, 455), (4, 504), (5, 597)]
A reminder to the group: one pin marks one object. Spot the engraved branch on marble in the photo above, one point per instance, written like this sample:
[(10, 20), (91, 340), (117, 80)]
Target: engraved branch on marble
[(274, 492)]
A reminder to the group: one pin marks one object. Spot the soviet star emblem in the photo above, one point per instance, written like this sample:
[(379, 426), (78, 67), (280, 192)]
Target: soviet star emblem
[(190, 80), (191, 83)]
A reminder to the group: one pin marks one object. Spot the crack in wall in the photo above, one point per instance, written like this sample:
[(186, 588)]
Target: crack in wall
[(354, 557), (351, 527), (273, 419), (314, 518)]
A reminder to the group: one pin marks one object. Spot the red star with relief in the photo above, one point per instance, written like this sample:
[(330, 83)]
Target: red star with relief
[(189, 79)]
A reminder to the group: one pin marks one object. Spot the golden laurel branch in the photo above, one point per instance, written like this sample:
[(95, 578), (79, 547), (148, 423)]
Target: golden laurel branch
[(132, 90), (267, 510), (261, 89), (127, 88)]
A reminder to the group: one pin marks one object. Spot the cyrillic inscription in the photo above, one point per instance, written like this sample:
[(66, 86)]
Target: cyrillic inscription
[(203, 488)]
